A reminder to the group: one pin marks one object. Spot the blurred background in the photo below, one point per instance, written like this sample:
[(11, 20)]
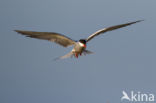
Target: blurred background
[(123, 59)]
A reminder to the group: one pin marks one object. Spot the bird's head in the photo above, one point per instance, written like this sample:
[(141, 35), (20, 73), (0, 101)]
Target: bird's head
[(83, 42)]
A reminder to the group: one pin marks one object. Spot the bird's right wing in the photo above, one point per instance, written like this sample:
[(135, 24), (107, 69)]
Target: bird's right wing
[(110, 29), (51, 36)]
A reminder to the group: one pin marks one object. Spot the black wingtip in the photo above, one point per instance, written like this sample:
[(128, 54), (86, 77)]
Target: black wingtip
[(139, 21), (134, 22), (15, 30), (18, 31)]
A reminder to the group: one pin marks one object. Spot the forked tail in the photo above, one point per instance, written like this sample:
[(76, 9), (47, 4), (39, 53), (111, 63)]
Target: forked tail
[(87, 52)]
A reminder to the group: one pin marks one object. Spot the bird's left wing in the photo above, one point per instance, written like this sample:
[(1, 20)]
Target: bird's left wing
[(51, 36), (110, 29)]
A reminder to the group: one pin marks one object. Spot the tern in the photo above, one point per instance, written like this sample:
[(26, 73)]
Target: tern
[(79, 47)]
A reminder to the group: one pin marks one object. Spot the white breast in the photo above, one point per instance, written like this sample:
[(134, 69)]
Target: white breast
[(81, 44)]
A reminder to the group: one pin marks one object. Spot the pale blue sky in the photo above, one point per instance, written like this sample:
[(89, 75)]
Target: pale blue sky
[(123, 59)]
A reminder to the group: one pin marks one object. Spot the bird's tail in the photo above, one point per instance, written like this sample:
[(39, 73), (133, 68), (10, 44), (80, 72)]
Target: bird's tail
[(87, 52)]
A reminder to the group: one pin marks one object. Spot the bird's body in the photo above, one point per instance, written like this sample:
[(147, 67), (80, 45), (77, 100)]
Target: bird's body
[(79, 47)]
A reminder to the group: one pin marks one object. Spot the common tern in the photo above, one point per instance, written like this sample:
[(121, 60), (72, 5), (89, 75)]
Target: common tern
[(79, 47)]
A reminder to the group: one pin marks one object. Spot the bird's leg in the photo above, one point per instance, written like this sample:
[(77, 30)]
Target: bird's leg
[(80, 54), (76, 55)]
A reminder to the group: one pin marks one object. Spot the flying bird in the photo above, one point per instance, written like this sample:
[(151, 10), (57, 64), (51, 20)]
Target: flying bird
[(79, 47)]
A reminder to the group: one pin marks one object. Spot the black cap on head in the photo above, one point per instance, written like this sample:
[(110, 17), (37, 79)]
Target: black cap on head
[(82, 41)]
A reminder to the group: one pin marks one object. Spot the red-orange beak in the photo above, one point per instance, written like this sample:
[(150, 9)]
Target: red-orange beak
[(84, 46)]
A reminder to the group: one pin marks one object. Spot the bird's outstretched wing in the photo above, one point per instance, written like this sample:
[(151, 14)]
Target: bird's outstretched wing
[(51, 36), (110, 29)]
